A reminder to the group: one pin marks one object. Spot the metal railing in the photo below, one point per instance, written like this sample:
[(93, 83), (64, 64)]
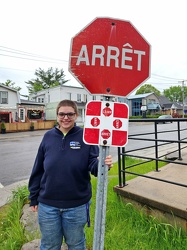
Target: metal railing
[(155, 143)]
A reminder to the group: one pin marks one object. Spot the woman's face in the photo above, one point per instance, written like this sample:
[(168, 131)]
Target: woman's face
[(66, 118)]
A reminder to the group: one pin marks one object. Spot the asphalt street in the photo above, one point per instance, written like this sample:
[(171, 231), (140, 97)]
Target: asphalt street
[(18, 152)]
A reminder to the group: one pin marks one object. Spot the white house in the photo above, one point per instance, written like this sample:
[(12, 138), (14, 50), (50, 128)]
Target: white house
[(9, 98), (52, 96)]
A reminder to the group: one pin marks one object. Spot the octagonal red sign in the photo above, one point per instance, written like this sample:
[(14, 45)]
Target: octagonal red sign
[(107, 111), (109, 56), (95, 122), (105, 134), (117, 123)]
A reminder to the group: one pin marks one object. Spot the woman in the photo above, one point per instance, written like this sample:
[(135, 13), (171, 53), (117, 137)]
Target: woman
[(59, 185)]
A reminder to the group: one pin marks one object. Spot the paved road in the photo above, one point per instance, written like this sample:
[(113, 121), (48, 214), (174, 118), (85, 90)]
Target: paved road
[(17, 154), (18, 151)]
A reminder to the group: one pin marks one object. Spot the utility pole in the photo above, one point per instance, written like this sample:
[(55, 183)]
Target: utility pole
[(182, 99)]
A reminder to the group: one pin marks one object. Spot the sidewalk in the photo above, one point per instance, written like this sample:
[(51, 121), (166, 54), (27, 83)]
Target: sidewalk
[(22, 134), (163, 199)]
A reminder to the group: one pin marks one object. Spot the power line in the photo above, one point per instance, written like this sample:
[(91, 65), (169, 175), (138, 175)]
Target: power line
[(168, 78), (20, 52), (54, 60), (31, 59), (16, 69)]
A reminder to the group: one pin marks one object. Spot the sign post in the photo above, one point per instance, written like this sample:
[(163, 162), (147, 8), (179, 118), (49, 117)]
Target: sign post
[(108, 57), (101, 199)]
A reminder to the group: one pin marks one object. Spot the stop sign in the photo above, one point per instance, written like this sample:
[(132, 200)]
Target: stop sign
[(109, 56)]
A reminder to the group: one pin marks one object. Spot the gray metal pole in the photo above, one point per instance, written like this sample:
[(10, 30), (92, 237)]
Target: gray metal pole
[(101, 198)]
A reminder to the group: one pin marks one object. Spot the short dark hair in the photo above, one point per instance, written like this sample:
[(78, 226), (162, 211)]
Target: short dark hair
[(65, 103)]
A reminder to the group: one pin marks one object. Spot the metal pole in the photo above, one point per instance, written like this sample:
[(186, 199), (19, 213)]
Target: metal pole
[(182, 99), (156, 145), (101, 198)]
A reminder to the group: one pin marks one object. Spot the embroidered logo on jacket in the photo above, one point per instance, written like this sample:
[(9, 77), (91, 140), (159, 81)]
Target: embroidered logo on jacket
[(75, 145)]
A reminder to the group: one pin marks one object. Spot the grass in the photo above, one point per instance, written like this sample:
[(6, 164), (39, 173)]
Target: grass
[(126, 227), (11, 231)]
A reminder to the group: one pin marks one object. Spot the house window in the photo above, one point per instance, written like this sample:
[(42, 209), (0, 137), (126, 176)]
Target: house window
[(3, 97), (22, 114), (80, 112), (41, 100), (69, 95), (85, 98), (152, 101), (136, 107), (78, 97), (34, 114)]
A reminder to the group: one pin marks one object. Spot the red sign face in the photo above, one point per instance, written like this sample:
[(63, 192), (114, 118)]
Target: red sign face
[(95, 122), (109, 56), (107, 111), (117, 123), (105, 134)]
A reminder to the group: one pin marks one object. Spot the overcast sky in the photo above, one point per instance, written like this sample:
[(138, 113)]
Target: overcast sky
[(44, 28)]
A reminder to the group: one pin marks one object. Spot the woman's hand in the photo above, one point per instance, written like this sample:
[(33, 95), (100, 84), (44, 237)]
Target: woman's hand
[(34, 208), (108, 161)]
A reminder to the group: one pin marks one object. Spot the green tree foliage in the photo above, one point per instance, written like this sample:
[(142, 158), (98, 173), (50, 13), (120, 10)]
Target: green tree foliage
[(147, 88), (46, 79), (175, 93), (11, 85)]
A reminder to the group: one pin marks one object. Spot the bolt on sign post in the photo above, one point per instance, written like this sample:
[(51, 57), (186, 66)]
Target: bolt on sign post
[(108, 57)]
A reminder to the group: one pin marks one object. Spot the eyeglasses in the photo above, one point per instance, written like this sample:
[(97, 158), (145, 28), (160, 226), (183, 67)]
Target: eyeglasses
[(69, 115)]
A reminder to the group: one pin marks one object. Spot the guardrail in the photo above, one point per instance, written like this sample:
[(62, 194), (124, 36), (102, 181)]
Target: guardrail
[(180, 143)]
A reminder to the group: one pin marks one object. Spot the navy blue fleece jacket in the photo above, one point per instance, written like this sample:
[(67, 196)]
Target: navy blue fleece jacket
[(61, 173)]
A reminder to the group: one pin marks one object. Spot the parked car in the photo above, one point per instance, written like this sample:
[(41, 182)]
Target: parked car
[(164, 117)]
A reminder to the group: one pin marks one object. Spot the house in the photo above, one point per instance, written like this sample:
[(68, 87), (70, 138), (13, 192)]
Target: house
[(14, 109), (30, 110), (42, 104), (52, 96), (149, 100), (8, 103), (172, 108), (165, 104)]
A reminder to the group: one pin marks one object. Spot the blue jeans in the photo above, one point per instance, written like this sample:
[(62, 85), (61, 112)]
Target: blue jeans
[(56, 224)]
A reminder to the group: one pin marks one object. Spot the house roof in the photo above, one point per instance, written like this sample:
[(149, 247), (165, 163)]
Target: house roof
[(153, 106), (164, 100), (176, 105), (140, 96), (28, 102), (6, 87), (167, 106), (11, 89)]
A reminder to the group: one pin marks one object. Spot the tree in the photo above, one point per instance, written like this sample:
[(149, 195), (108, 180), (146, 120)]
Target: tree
[(175, 93), (46, 79), (148, 88), (11, 84)]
